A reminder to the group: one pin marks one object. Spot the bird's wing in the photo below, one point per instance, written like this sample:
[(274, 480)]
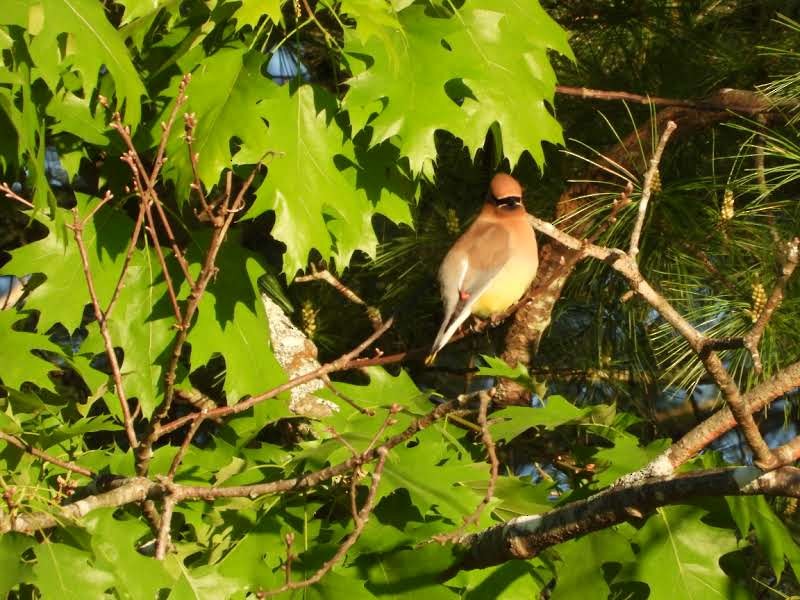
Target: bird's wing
[(489, 251), (467, 270)]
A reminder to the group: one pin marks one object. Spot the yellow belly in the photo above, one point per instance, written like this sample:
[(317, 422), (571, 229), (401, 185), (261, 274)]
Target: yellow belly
[(506, 288)]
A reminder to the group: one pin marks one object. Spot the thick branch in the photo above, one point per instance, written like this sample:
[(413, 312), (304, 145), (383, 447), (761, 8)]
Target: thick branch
[(525, 537), (716, 426), (138, 489)]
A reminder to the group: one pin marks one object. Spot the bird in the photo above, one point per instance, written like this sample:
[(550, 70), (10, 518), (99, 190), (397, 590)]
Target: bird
[(491, 265)]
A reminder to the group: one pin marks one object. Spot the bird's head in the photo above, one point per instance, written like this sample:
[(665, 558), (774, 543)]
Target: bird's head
[(505, 194)]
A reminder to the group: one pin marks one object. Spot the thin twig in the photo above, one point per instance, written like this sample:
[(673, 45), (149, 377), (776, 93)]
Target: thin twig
[(647, 188), (148, 190), (131, 159), (373, 314), (190, 122), (176, 461), (207, 272), (387, 422), (162, 261), (9, 193), (494, 472), (338, 437), (287, 567), (619, 203), (26, 447), (343, 362), (77, 229), (789, 262), (137, 228), (313, 17), (364, 411), (359, 521), (626, 265), (757, 104), (140, 489), (107, 197)]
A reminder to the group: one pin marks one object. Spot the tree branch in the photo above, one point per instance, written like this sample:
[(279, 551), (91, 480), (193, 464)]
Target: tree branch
[(525, 537), (647, 188), (627, 267), (26, 447), (77, 230), (740, 101), (373, 314), (139, 489)]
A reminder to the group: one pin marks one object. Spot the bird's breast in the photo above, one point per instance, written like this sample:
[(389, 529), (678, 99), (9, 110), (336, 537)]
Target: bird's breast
[(508, 286)]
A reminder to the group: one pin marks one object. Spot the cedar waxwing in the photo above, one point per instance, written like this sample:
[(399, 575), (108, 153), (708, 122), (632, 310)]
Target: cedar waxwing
[(491, 265)]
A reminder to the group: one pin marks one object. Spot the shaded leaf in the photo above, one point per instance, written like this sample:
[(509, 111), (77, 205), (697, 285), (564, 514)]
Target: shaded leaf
[(13, 569), (514, 420), (581, 574), (232, 321), (771, 533), (679, 556)]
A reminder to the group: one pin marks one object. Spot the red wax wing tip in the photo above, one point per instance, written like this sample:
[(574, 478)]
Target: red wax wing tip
[(463, 295)]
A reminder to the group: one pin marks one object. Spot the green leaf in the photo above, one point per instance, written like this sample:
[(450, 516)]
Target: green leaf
[(79, 429), (65, 572), (29, 143), (432, 474), (497, 367), (143, 325), (771, 533), (114, 545), (409, 69), (140, 9), (250, 11), (509, 581), (517, 496), (255, 559), (471, 68), (501, 53), (341, 583), (204, 583), (224, 94), (62, 297), (416, 571), (13, 569), (315, 202), (94, 43), (15, 12), (581, 575), (372, 19), (679, 556), (74, 115), (231, 321), (18, 362), (515, 420)]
